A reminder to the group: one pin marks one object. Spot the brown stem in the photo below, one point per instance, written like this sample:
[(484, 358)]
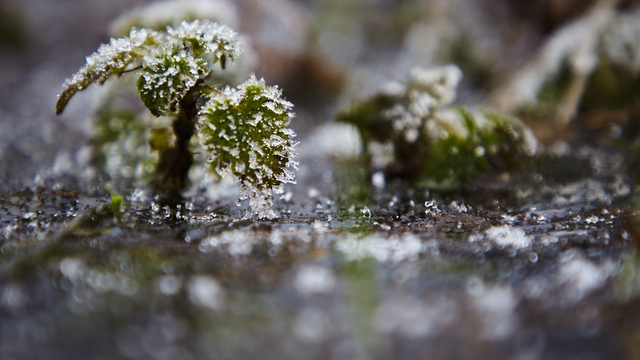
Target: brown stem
[(175, 161)]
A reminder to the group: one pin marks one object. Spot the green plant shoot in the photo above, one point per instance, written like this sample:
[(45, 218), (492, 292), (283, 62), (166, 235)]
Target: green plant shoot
[(243, 131)]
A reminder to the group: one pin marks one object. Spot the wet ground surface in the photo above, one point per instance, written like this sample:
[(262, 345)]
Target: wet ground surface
[(544, 273)]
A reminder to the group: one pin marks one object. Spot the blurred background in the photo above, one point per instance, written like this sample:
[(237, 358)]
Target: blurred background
[(490, 272)]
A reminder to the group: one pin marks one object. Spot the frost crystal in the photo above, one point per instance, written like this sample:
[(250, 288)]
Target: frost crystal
[(110, 59), (170, 70), (206, 38), (166, 78), (171, 62), (244, 131), (425, 91)]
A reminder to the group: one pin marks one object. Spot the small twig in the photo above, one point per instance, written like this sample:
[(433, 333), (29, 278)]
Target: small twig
[(131, 70)]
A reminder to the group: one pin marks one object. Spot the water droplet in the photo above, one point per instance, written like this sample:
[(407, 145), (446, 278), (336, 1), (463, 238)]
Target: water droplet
[(378, 180), (314, 279), (205, 291), (169, 285)]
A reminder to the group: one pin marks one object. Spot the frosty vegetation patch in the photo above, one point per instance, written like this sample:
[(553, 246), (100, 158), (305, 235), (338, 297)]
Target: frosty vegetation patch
[(243, 131), (411, 129)]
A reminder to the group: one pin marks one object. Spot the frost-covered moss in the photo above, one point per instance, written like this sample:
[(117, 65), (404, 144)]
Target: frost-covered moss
[(171, 62), (123, 129), (410, 129), (243, 130), (244, 133), (110, 59)]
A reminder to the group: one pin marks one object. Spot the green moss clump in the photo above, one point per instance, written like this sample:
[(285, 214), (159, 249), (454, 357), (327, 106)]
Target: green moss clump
[(411, 130)]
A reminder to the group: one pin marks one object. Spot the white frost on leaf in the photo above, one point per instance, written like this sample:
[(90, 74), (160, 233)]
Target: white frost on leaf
[(173, 68), (206, 37), (167, 78), (244, 132), (419, 109), (117, 54), (111, 58), (170, 62)]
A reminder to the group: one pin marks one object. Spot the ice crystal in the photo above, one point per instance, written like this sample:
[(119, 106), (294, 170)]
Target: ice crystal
[(199, 38), (166, 78), (425, 91), (244, 131), (110, 59), (160, 15)]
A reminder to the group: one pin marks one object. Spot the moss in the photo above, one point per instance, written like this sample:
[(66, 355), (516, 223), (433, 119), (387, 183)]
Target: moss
[(243, 131), (452, 163), (414, 133)]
